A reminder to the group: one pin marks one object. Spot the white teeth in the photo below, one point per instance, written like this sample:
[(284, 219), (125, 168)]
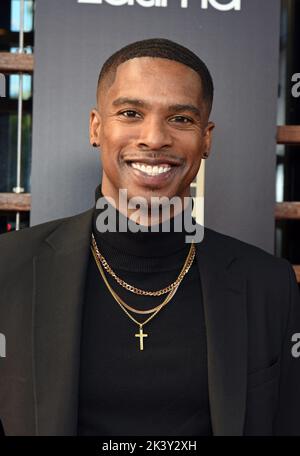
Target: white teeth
[(150, 170)]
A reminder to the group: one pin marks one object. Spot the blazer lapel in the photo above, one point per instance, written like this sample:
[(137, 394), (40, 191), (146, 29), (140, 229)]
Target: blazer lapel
[(224, 299), (59, 271)]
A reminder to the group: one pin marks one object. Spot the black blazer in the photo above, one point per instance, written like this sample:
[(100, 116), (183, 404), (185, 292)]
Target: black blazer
[(251, 306)]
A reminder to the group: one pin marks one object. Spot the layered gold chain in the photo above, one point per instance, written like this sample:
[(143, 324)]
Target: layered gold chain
[(126, 306), (173, 285), (141, 335)]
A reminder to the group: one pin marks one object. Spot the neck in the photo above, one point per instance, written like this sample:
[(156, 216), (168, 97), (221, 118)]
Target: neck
[(115, 229), (144, 213)]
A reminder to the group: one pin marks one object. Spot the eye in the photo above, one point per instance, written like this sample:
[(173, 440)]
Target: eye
[(130, 113), (182, 119)]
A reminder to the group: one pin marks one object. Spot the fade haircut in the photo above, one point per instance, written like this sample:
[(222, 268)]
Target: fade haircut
[(162, 48)]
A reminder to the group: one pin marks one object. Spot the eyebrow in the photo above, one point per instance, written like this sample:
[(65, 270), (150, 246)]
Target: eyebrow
[(143, 104)]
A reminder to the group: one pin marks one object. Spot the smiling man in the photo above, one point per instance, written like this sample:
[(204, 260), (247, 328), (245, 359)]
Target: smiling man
[(154, 112), (137, 331)]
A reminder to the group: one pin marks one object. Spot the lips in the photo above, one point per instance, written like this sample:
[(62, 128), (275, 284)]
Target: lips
[(150, 170), (150, 178), (154, 161)]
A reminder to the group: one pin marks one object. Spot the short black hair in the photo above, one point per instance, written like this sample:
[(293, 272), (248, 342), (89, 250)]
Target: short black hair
[(163, 48)]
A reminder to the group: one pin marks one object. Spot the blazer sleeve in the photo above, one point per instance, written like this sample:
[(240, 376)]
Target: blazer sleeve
[(287, 418)]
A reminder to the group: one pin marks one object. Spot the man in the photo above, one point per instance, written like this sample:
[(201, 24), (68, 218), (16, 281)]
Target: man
[(140, 332)]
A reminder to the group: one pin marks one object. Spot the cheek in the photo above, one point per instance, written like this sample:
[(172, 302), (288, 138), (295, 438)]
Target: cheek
[(192, 147), (115, 138)]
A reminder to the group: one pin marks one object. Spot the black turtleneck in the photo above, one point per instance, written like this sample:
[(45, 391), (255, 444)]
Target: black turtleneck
[(163, 389)]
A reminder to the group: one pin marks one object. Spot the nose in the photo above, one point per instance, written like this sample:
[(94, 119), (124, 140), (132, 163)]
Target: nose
[(154, 134)]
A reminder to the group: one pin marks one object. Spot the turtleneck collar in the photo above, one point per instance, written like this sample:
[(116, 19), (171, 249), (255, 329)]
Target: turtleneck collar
[(148, 243)]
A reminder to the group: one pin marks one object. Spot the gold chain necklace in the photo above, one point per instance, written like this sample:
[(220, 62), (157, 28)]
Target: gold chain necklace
[(123, 305), (138, 291), (118, 298)]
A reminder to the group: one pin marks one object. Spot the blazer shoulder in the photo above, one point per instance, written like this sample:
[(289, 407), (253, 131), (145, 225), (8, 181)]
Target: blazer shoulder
[(27, 241), (253, 257)]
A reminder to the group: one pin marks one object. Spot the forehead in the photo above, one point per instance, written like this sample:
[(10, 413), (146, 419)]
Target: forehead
[(157, 78)]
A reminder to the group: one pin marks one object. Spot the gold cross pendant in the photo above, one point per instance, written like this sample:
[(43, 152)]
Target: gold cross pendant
[(141, 335)]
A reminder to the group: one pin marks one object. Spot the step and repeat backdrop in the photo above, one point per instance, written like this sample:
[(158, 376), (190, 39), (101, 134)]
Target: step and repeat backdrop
[(239, 42)]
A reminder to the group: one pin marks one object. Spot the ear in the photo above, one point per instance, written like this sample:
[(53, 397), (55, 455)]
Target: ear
[(207, 139), (95, 125)]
